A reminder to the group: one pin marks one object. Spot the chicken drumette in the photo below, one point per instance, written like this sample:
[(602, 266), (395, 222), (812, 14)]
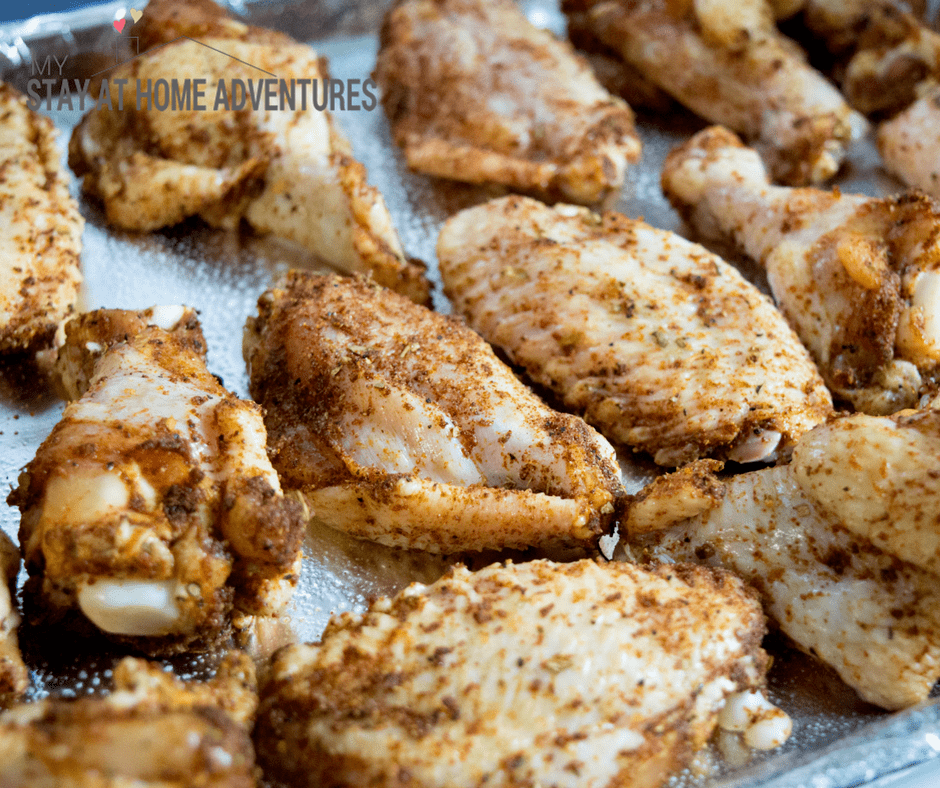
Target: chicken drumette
[(152, 507), (400, 425), (659, 343), (476, 93), (574, 674), (856, 276), (287, 171)]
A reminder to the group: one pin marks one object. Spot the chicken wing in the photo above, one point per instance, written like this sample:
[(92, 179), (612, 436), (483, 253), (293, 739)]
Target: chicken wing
[(856, 276), (152, 731), (728, 63), (40, 229), (842, 545), (287, 171), (14, 675), (659, 343), (909, 144), (476, 93), (401, 426), (531, 674), (152, 507), (881, 50)]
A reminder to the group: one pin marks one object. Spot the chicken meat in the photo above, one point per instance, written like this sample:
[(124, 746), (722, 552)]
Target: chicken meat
[(841, 543), (152, 731), (881, 50), (540, 673), (152, 507), (280, 164), (729, 64), (14, 675), (400, 425), (40, 229), (659, 343), (858, 277), (909, 144), (477, 93)]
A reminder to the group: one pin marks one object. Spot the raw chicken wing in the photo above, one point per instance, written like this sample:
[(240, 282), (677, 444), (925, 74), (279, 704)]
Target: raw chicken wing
[(152, 507), (40, 229), (476, 93), (842, 544), (659, 343), (573, 674), (857, 277), (152, 731), (287, 171), (728, 63), (400, 425)]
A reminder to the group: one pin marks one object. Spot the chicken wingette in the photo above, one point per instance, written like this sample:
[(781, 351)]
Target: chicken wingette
[(475, 92), (660, 344), (287, 171), (152, 507), (858, 277), (541, 673), (400, 425), (842, 545)]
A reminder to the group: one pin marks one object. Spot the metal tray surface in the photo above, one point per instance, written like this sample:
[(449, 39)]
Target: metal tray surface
[(838, 741)]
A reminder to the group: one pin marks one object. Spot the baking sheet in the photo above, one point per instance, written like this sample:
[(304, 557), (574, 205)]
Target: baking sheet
[(838, 741)]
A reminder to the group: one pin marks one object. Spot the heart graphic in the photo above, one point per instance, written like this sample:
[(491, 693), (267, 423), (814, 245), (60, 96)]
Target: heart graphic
[(136, 15), (119, 25)]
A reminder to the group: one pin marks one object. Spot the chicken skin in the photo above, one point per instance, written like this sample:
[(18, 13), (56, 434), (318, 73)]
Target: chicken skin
[(909, 144), (40, 229), (659, 343), (476, 93), (287, 171), (842, 545), (401, 426), (881, 50), (856, 276), (14, 675), (152, 507), (540, 673), (731, 68), (152, 731)]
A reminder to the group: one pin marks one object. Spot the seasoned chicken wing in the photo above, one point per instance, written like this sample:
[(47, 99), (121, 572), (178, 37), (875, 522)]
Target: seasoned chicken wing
[(881, 50), (909, 144), (858, 277), (152, 731), (728, 63), (288, 171), (152, 507), (532, 674), (475, 92), (842, 544), (659, 343), (40, 228), (14, 675), (400, 425)]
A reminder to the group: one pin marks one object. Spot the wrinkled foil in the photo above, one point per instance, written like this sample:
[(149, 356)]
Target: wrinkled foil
[(838, 740)]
